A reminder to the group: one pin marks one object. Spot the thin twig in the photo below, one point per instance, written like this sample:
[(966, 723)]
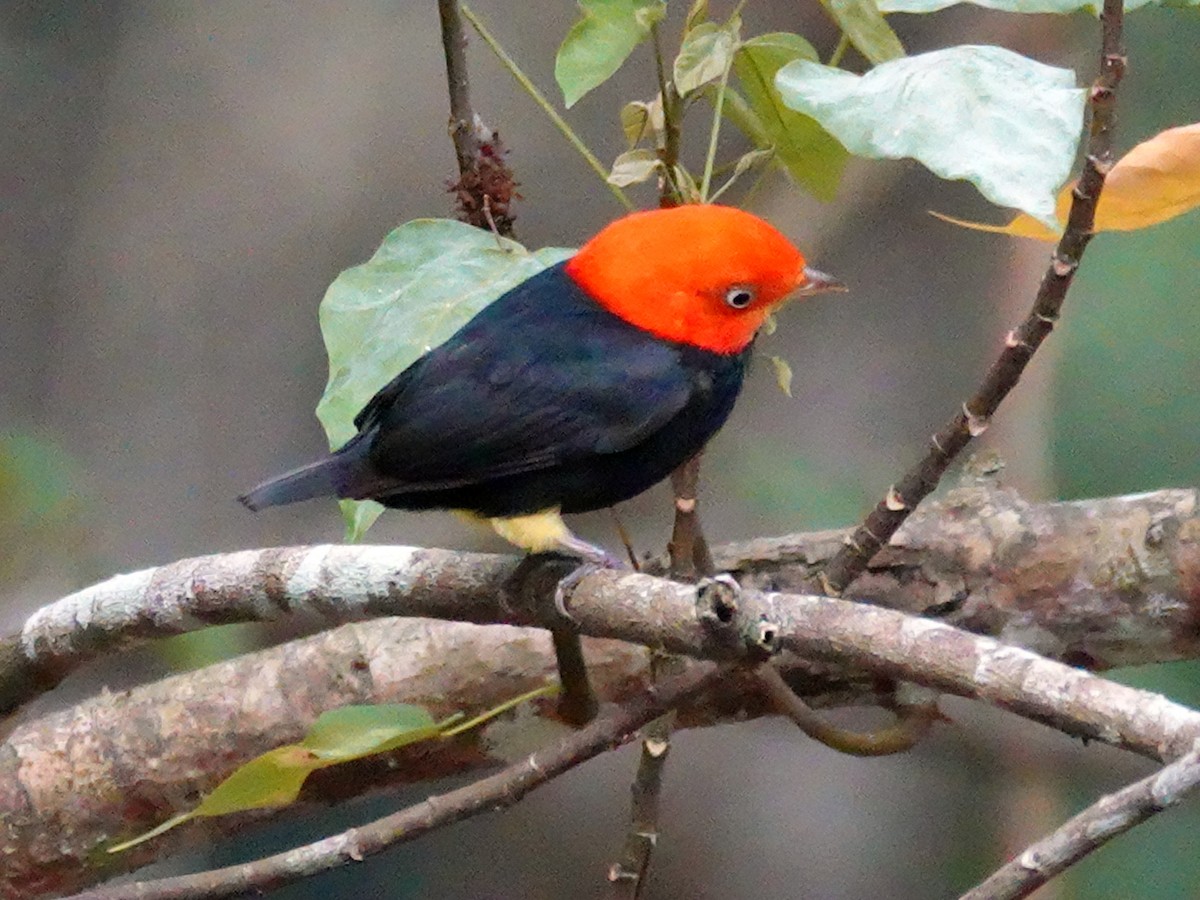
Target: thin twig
[(485, 187), (627, 876), (839, 51), (710, 158), (547, 107), (462, 115), (668, 152), (690, 556), (1091, 829), (501, 790), (1021, 343), (577, 704), (912, 722)]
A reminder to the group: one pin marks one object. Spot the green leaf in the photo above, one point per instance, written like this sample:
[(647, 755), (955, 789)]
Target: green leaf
[(783, 373), (601, 41), (704, 55), (350, 732), (271, 779), (807, 152), (696, 14), (635, 122), (867, 29), (634, 167), (425, 281), (1007, 124), (1025, 6), (752, 160)]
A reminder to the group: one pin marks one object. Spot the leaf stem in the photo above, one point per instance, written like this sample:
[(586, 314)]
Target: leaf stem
[(545, 690), (670, 194), (716, 131), (839, 51), (540, 99)]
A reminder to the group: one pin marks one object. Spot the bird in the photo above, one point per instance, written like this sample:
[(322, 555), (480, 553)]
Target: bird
[(579, 388)]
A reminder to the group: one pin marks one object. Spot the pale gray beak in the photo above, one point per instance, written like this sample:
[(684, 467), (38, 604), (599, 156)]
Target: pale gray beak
[(817, 282)]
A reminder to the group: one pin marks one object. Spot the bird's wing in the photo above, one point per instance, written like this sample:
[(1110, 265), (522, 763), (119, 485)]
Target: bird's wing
[(474, 410)]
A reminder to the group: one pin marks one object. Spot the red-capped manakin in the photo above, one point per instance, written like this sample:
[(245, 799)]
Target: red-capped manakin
[(579, 388)]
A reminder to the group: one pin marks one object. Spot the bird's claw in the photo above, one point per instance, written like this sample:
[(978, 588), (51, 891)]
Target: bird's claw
[(566, 586), (590, 565)]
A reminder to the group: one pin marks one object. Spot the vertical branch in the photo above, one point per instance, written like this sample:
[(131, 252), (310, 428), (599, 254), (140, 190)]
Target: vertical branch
[(688, 550), (1091, 829), (669, 193), (462, 116), (1020, 344), (627, 876), (485, 187)]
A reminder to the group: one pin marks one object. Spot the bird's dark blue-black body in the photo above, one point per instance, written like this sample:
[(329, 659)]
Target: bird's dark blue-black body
[(544, 400)]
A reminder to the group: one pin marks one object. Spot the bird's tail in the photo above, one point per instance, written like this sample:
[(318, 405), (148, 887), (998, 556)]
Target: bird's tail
[(318, 479)]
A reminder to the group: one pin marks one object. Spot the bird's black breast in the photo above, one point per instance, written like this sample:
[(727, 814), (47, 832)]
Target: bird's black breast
[(544, 399)]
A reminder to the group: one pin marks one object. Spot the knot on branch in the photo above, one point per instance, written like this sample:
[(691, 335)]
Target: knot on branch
[(719, 610), (486, 187)]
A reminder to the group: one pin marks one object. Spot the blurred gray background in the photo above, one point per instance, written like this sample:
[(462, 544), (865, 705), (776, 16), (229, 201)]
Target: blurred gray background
[(182, 181)]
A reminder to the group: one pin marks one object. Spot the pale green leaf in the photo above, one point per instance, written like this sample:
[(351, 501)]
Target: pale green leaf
[(688, 189), (601, 41), (1025, 6), (634, 167), (635, 121), (704, 56), (807, 152), (867, 29), (752, 160), (272, 779), (350, 732), (697, 13), (1004, 122), (783, 373), (424, 282)]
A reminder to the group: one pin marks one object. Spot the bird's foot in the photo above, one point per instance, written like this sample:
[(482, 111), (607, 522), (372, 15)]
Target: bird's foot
[(595, 559)]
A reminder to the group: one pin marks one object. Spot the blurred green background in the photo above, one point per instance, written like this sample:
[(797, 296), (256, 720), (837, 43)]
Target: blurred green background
[(184, 180)]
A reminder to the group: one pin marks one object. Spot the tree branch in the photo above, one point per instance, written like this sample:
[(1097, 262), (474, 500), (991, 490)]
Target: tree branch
[(1020, 344), (611, 729), (1096, 583), (1091, 829), (486, 186), (190, 731)]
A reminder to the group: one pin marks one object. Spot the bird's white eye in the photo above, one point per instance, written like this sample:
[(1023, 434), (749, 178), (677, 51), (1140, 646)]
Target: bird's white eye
[(739, 297)]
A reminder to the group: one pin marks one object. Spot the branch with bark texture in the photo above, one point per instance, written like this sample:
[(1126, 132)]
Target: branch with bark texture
[(1104, 820), (486, 186), (1098, 583), (985, 545)]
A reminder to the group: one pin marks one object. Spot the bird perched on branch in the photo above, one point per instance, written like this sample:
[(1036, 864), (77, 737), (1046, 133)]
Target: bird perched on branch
[(579, 388)]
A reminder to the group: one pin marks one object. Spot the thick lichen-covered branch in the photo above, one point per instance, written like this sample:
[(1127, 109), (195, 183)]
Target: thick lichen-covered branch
[(985, 559), (1097, 583)]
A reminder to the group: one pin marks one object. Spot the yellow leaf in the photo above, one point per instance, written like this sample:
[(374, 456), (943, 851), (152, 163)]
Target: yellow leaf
[(1157, 180), (783, 373), (1022, 226)]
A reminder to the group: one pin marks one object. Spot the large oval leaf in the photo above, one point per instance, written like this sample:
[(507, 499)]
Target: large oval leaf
[(1023, 6), (807, 152), (1004, 122), (867, 29), (598, 43), (1154, 182), (427, 278)]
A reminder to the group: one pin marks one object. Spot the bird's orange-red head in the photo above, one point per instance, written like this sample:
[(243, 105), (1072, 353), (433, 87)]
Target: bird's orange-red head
[(702, 275)]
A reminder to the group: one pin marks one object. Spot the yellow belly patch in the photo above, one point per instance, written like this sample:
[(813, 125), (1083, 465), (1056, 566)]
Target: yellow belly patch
[(537, 533)]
